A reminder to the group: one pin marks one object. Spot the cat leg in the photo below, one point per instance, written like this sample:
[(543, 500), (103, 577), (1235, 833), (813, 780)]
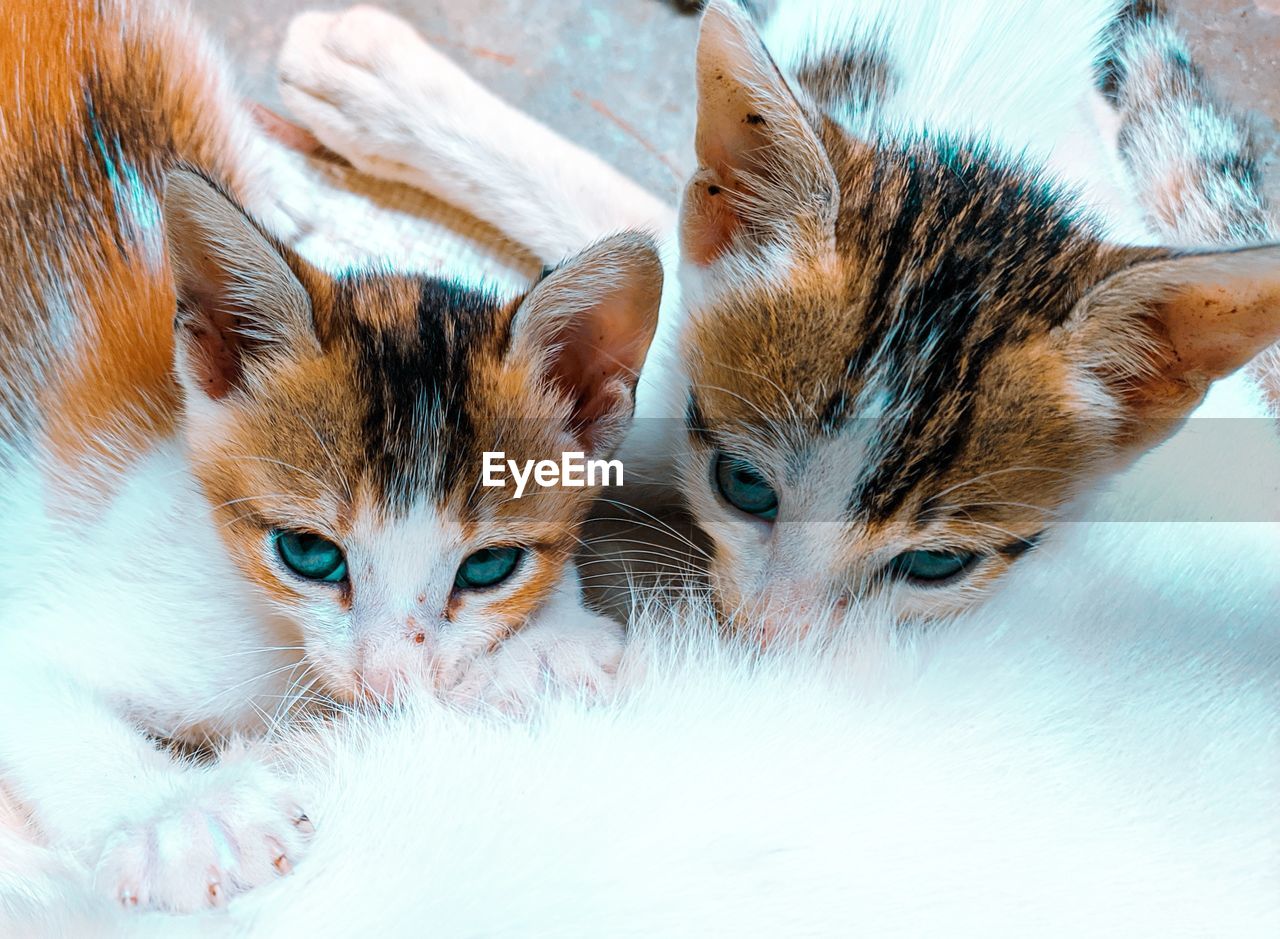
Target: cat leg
[(564, 646), (372, 90), (154, 832)]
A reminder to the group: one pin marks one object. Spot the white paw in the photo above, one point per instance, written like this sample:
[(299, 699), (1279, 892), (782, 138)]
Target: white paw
[(576, 654), (220, 832), (371, 89)]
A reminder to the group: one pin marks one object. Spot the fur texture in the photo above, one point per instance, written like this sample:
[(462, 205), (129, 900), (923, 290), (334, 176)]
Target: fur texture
[(1104, 727), (911, 305), (1094, 753), (157, 466)]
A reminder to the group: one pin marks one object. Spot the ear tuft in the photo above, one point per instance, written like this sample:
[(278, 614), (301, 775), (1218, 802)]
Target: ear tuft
[(586, 327), (238, 300)]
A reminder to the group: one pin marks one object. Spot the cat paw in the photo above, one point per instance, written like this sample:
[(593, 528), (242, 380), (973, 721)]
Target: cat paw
[(218, 834), (579, 654), (371, 89)]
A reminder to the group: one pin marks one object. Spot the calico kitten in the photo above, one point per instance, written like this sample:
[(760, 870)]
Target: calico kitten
[(928, 348), (905, 345), (206, 517)]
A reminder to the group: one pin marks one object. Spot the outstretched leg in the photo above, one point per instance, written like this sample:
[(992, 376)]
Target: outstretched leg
[(372, 90)]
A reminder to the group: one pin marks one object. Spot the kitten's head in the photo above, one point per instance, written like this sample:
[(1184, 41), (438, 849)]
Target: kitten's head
[(337, 426), (906, 359)]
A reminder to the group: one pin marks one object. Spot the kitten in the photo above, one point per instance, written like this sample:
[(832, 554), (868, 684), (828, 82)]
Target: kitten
[(904, 348), (206, 517)]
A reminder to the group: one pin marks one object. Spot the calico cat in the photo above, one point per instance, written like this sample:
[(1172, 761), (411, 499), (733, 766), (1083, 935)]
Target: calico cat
[(907, 339), (207, 517)]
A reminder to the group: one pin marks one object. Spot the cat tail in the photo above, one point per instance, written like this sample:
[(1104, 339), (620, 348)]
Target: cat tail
[(1190, 160)]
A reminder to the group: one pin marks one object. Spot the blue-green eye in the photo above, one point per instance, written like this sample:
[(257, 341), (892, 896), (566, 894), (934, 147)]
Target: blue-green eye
[(311, 556), (487, 567), (931, 567), (745, 488)]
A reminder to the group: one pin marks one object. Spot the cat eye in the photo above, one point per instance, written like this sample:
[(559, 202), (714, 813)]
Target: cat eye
[(745, 488), (311, 556), (931, 568), (488, 567)]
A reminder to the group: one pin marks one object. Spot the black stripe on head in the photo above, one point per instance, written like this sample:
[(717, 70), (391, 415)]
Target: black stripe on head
[(832, 414), (415, 379), (975, 255)]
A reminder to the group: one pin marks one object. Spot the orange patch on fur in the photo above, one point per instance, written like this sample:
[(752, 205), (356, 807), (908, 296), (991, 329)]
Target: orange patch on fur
[(99, 100), (117, 392)]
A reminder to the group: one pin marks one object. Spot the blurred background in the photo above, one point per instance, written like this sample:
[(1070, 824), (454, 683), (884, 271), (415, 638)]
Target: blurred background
[(616, 76)]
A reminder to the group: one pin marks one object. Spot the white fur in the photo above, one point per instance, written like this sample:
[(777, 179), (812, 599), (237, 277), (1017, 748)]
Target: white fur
[(1089, 757), (122, 617), (1094, 753), (356, 76), (1018, 75), (134, 617), (130, 615)]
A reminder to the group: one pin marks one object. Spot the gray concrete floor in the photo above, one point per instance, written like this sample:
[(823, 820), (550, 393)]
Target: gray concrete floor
[(616, 75)]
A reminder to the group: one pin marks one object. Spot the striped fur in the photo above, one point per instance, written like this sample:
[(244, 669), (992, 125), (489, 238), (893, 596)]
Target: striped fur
[(917, 336), (913, 294), (1191, 161)]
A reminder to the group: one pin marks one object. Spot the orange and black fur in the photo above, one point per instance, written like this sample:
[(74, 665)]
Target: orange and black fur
[(933, 286), (233, 480), (908, 349)]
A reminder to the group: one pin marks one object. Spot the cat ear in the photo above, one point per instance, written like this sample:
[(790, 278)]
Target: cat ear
[(762, 170), (1160, 332), (238, 301), (586, 327)]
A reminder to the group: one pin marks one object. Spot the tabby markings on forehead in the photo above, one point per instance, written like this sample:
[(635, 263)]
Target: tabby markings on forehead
[(415, 380), (969, 254)]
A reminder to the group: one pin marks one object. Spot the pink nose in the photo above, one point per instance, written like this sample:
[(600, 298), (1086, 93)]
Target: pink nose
[(794, 624), (379, 684), (795, 619)]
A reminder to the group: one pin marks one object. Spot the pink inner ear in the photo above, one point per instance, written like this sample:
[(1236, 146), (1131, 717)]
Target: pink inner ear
[(1214, 332), (216, 349), (601, 349), (587, 327), (709, 222)]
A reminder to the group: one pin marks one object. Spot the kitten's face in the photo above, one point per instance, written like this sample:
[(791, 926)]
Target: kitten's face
[(906, 358), (374, 444), (892, 415), (338, 428)]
